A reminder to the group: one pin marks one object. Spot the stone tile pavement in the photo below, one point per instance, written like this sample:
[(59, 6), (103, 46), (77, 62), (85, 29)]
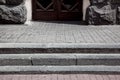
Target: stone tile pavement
[(60, 77), (59, 32)]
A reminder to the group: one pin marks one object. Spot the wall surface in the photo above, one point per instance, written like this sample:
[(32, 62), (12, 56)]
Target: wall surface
[(86, 3), (29, 8)]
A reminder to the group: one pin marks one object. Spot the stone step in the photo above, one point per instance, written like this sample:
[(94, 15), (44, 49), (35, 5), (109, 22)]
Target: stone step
[(31, 48), (59, 69), (55, 59)]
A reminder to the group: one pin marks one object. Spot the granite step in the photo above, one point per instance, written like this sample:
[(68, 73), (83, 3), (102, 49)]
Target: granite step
[(55, 59), (31, 48), (59, 58), (58, 69)]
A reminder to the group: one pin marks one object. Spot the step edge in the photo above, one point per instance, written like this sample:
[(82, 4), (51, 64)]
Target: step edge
[(60, 56), (58, 69), (59, 45)]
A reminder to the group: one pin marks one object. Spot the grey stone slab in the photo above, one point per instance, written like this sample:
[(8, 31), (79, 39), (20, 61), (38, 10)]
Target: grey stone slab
[(20, 62), (59, 45), (54, 59), (98, 62), (101, 59), (14, 59), (60, 59), (97, 56), (58, 69), (10, 48)]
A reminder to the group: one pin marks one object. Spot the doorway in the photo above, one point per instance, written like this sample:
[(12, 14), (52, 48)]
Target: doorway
[(57, 9)]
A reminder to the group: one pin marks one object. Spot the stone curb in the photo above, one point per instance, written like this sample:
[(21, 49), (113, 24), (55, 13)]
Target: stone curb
[(20, 48), (59, 45), (58, 69), (59, 59)]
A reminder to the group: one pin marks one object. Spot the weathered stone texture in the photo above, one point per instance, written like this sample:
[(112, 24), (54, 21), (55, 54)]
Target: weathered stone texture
[(103, 12), (118, 15), (93, 2), (11, 2), (14, 2), (12, 11), (101, 15), (2, 2), (16, 14)]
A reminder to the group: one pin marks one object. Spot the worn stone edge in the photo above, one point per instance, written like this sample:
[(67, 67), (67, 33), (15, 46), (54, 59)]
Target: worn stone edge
[(59, 45), (57, 69)]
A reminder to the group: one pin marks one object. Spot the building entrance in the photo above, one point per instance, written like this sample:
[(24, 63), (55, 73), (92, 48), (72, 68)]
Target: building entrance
[(57, 9)]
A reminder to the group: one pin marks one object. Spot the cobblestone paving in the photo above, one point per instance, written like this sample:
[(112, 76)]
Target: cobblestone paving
[(61, 77), (59, 32)]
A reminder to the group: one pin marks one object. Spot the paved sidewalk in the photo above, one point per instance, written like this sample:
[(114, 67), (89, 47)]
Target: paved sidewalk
[(61, 77), (59, 32)]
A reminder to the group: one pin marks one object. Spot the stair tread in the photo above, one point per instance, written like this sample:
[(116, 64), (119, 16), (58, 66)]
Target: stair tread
[(60, 56), (64, 69), (59, 45)]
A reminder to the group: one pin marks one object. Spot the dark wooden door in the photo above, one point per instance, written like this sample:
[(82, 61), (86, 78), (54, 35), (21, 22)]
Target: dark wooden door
[(70, 9), (57, 9), (44, 10)]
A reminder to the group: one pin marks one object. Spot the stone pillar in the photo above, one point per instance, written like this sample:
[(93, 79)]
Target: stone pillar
[(86, 3), (13, 11), (28, 5), (101, 12)]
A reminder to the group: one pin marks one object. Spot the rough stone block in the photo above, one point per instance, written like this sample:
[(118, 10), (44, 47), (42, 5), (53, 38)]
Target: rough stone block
[(93, 2), (115, 1), (118, 15), (11, 2), (13, 14), (2, 2), (101, 15)]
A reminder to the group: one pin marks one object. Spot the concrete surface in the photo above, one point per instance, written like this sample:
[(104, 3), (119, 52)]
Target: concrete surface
[(58, 69), (59, 59), (86, 76), (59, 32)]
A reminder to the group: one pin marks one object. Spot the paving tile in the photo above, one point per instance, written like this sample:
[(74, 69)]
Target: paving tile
[(105, 77), (60, 77), (92, 77), (59, 32), (99, 77)]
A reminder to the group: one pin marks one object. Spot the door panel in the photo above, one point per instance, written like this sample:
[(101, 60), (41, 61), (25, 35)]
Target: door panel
[(57, 9), (44, 10), (70, 9)]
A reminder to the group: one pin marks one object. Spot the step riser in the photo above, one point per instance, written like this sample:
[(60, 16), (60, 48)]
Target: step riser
[(20, 48), (59, 59), (60, 62), (58, 50)]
